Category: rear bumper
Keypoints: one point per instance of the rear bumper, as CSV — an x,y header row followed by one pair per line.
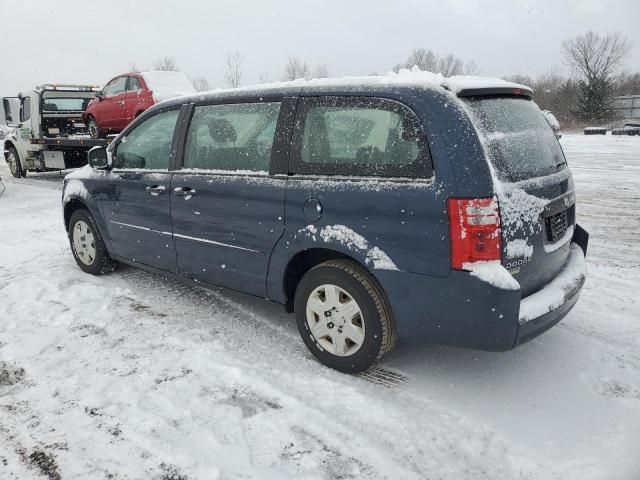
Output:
x,y
462,310
543,309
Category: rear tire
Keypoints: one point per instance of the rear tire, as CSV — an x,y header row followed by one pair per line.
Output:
x,y
94,128
13,161
87,245
343,316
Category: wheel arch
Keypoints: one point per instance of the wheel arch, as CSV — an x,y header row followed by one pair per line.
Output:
x,y
6,144
70,207
303,261
74,202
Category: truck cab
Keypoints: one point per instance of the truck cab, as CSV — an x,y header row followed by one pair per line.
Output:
x,y
48,130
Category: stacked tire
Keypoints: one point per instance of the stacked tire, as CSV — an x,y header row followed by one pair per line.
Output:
x,y
595,131
626,131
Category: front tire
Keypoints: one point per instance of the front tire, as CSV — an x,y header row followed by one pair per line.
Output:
x,y
87,245
343,316
13,161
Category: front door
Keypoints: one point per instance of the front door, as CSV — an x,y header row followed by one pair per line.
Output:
x,y
136,202
227,211
24,132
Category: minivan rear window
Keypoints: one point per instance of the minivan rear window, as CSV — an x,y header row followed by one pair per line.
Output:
x,y
520,142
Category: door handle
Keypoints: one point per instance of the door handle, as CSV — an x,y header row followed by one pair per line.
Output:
x,y
186,192
156,190
121,102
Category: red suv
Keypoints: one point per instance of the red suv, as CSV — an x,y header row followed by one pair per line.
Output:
x,y
127,96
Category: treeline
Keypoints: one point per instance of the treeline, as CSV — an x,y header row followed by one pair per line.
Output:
x,y
564,96
587,94
294,69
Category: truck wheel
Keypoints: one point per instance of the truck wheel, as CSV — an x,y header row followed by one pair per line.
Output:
x,y
343,317
87,245
13,160
94,129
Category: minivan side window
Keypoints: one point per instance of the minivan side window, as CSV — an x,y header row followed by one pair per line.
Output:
x,y
359,136
25,109
231,137
115,87
148,145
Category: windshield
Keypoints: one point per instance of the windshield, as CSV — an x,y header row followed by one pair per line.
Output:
x,y
65,104
520,142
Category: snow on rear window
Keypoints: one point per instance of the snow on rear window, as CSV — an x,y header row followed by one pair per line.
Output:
x,y
520,141
165,85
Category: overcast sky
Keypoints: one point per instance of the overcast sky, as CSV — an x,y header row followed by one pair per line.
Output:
x,y
87,41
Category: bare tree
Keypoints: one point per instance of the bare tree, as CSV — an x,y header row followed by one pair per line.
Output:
x,y
596,59
200,84
595,56
471,68
133,67
450,65
295,69
233,73
166,64
429,61
321,71
553,92
263,78
629,84
422,58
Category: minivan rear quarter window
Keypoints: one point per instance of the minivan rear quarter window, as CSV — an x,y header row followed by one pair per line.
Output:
x,y
520,142
359,136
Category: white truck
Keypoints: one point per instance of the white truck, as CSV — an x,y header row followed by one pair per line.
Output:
x,y
48,132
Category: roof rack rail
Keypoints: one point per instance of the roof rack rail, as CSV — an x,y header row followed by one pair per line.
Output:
x,y
64,86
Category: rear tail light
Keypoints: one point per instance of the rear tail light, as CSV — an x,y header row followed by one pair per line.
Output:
x,y
475,230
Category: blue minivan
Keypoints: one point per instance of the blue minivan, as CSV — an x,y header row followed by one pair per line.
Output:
x,y
378,211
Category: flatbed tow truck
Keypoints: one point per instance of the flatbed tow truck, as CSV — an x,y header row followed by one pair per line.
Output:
x,y
48,131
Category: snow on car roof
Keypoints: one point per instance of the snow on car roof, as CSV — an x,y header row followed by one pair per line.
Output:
x,y
404,77
165,85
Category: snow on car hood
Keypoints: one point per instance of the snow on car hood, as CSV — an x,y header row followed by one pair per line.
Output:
x,y
166,85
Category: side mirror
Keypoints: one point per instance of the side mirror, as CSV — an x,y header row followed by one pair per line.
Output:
x,y
99,158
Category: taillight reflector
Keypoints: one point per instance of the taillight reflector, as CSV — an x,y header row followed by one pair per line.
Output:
x,y
474,226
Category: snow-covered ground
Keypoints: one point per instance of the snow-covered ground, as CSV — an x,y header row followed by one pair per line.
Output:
x,y
134,376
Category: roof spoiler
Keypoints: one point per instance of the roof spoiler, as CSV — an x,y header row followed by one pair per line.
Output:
x,y
520,91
